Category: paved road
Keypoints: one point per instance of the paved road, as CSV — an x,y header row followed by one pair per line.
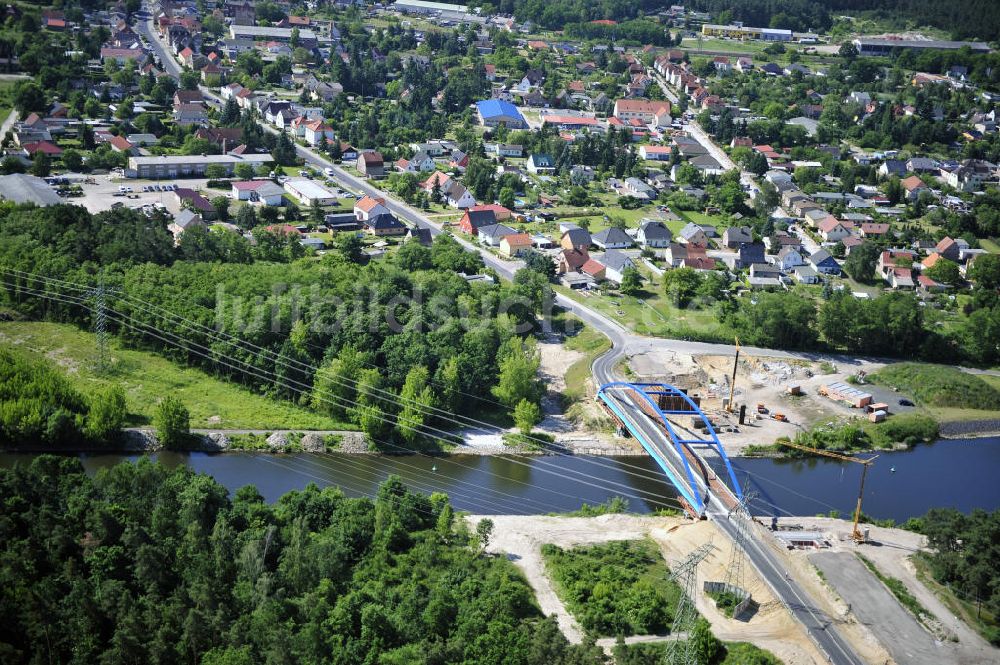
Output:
x,y
875,607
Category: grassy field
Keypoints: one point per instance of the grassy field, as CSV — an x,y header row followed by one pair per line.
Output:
x,y
652,314
654,653
945,392
6,99
147,377
592,344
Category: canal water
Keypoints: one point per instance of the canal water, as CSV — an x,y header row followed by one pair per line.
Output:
x,y
951,473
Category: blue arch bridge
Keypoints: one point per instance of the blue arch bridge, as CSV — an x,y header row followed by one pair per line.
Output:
x,y
644,411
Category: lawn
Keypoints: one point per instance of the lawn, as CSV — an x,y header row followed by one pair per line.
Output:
x,y
147,377
946,392
990,245
653,314
6,98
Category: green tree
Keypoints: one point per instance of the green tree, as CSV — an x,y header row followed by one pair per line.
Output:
x,y
28,97
172,423
518,373
484,531
221,206
350,247
861,262
526,416
707,647
243,171
246,218
417,401
215,171
333,386
41,165
107,414
680,285
506,198
72,160
945,272
985,272
631,282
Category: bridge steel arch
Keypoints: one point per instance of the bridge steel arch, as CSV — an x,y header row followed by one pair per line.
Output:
x,y
646,391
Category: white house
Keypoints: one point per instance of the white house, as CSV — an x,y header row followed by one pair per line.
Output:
x,y
653,234
309,192
615,264
316,131
611,238
368,207
457,196
258,191
541,164
789,258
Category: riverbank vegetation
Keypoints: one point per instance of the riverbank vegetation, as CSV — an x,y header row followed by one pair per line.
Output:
x,y
907,429
141,563
378,344
615,588
145,377
39,407
962,560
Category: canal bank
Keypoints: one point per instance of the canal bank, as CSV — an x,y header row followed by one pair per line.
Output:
x,y
957,473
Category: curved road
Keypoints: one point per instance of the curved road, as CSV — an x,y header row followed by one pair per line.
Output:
x,y
819,627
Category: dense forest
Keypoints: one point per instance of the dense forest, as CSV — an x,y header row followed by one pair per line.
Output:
x,y
382,343
965,551
141,564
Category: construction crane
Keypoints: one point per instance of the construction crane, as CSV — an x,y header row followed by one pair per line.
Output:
x,y
855,533
732,384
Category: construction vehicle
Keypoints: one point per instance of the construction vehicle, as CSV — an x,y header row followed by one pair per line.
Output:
x,y
761,408
780,417
856,534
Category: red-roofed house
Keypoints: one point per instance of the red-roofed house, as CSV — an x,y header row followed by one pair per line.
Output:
x,y
949,249
873,229
316,131
186,56
121,144
832,230
594,268
368,207
50,149
913,186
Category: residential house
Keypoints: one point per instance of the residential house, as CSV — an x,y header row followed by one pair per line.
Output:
x,y
949,249
873,229
575,239
749,253
832,230
184,220
764,276
615,263
515,244
646,111
789,258
653,234
541,164
734,236
655,152
368,207
636,188
970,176
823,263
419,163
258,191
892,258
892,167
475,219
914,186
192,200
190,114
456,195
611,238
805,274
491,235
384,224
371,165
692,234
317,131
571,260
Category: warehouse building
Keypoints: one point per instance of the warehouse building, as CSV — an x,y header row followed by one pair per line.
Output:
x,y
738,31
257,33
22,188
187,166
309,192
877,47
